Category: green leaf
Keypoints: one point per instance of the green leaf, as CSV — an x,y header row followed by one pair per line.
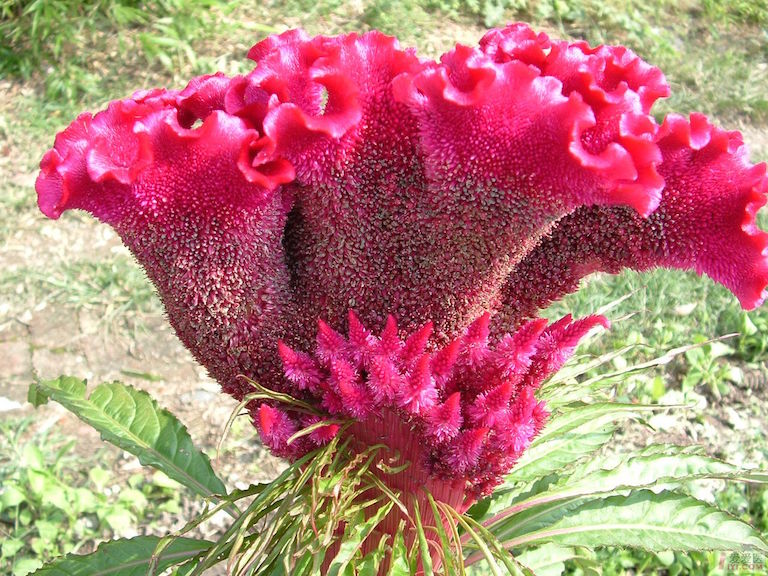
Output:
x,y
127,557
399,559
425,554
11,495
32,457
132,420
119,519
654,465
354,536
570,436
48,531
655,522
547,560
556,392
756,476
483,547
446,550
10,546
36,397
24,566
373,561
565,386
657,465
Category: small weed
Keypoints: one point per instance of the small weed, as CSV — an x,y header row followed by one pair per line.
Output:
x,y
752,345
50,506
707,368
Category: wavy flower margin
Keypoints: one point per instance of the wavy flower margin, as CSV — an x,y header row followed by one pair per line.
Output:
x,y
459,197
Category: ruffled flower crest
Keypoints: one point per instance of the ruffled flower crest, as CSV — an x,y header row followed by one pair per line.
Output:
x,y
459,197
199,206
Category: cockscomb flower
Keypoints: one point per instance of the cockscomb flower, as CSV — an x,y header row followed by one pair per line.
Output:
x,y
445,203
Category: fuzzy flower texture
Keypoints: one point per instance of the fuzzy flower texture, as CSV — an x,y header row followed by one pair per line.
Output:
x,y
375,233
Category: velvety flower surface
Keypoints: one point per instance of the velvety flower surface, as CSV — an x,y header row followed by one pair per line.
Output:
x,y
444,203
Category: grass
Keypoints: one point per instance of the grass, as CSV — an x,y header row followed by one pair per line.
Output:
x,y
714,52
119,283
66,45
80,55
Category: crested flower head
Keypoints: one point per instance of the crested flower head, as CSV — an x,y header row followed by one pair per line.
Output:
x,y
444,202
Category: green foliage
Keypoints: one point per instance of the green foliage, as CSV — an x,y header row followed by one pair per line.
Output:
x,y
739,11
658,313
119,284
287,527
556,510
128,557
618,511
130,419
706,368
648,520
752,344
50,507
60,38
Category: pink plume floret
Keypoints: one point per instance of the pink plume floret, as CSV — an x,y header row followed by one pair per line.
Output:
x,y
475,409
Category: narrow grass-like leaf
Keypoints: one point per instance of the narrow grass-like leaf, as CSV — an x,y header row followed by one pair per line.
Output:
x,y
426,557
280,397
508,495
311,428
398,563
532,519
575,415
446,549
662,360
571,435
354,536
481,544
269,496
552,388
276,551
126,557
394,498
130,419
755,476
564,387
475,530
649,468
656,522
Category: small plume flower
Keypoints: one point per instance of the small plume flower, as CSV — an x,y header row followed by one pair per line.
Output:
x,y
470,425
445,203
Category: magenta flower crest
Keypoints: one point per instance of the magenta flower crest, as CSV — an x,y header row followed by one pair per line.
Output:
x,y
375,234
